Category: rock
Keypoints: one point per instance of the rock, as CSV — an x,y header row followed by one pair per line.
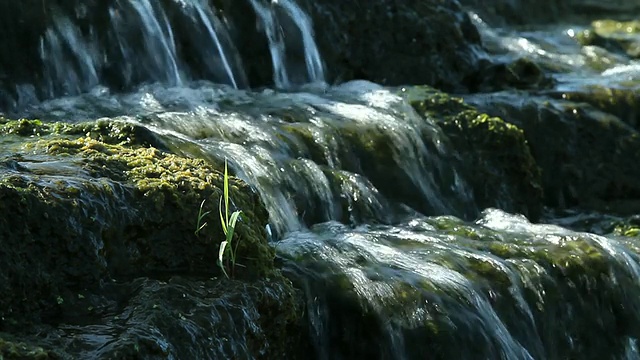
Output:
x,y
397,43
87,216
615,36
584,153
501,169
548,293
518,12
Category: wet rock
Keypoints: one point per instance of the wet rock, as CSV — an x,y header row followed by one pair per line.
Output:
x,y
396,43
501,169
584,153
615,36
504,287
178,317
621,99
86,215
520,12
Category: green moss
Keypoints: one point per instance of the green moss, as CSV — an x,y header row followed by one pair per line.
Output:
x,y
102,210
622,100
168,181
22,127
107,131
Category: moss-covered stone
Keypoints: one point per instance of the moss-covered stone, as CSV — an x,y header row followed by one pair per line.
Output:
x,y
621,100
501,169
100,210
584,153
616,36
508,288
10,350
107,131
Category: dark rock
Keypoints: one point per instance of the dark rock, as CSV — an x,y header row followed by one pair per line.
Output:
x,y
500,166
400,42
585,154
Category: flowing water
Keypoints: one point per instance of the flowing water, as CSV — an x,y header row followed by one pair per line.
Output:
x,y
372,214
268,11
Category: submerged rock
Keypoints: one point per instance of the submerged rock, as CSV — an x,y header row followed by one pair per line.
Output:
x,y
84,217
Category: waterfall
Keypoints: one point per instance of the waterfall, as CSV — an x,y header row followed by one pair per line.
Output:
x,y
213,33
311,53
275,35
71,65
131,42
157,40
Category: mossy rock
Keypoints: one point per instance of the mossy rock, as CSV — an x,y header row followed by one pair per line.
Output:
x,y
403,159
101,211
508,289
11,350
107,131
620,99
584,152
615,36
501,169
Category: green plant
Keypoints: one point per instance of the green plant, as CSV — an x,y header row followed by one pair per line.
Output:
x,y
228,226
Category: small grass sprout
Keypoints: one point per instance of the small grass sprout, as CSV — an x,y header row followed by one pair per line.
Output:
x,y
228,223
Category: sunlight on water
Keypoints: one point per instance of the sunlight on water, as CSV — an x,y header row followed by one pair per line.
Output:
x,y
410,275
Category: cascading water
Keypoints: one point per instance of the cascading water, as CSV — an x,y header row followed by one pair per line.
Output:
x,y
277,45
370,203
140,44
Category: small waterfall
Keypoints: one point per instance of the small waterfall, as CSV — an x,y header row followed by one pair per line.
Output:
x,y
213,28
313,157
136,42
157,40
311,53
71,65
276,34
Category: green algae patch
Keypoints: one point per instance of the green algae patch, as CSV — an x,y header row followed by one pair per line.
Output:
x,y
171,188
107,131
501,168
621,100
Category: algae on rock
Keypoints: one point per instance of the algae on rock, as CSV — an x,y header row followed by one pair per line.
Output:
x,y
83,214
585,154
501,169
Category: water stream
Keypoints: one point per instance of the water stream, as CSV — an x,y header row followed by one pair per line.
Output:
x,y
372,212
